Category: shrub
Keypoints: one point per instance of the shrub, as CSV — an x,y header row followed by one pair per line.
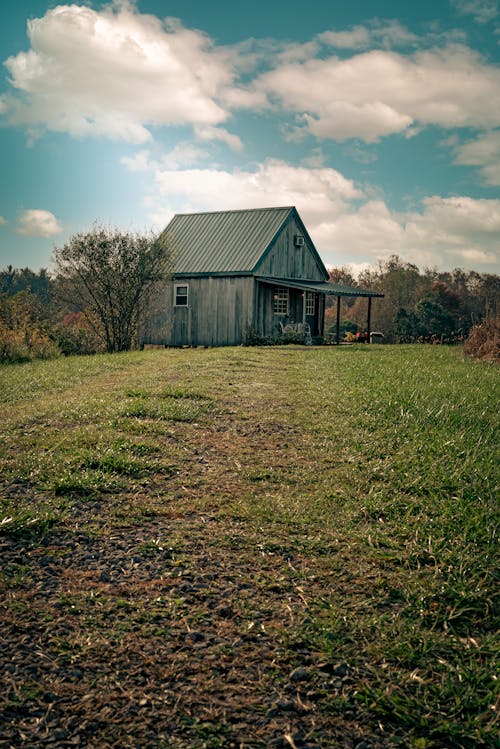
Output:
x,y
76,334
484,340
22,334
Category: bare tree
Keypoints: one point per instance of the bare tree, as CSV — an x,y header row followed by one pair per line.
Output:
x,y
113,275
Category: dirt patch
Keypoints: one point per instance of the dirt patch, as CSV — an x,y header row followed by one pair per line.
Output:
x,y
169,616
124,640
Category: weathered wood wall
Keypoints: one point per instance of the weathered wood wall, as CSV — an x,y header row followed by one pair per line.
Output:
x,y
285,260
225,310
267,324
219,313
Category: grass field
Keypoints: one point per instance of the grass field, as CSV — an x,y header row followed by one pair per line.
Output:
x,y
250,547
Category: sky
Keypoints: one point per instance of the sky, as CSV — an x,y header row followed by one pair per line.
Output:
x,y
379,120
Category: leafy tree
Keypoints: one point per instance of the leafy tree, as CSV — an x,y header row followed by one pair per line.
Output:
x,y
14,280
433,318
401,283
340,275
75,334
23,334
479,295
408,309
407,325
111,276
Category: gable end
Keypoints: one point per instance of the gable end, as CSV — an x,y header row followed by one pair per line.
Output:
x,y
286,258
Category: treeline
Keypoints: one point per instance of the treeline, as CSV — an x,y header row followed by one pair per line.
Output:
x,y
418,306
35,323
104,282
102,286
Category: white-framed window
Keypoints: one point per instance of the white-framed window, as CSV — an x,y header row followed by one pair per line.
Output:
x,y
181,294
280,301
310,302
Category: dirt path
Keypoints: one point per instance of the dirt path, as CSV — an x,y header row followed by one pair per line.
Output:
x,y
172,615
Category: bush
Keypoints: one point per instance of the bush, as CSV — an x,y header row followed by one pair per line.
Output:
x,y
484,340
76,334
22,334
15,346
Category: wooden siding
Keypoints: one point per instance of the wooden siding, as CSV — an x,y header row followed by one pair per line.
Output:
x,y
268,325
219,313
225,310
285,260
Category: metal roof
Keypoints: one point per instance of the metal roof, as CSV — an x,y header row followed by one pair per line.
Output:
x,y
334,289
224,241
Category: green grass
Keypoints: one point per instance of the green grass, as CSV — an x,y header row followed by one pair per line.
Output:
x,y
367,476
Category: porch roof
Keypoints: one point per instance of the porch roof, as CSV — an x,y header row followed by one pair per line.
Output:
x,y
321,287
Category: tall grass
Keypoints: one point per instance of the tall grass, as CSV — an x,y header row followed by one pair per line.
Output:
x,y
377,465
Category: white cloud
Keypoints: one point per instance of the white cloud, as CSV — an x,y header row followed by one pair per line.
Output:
x,y
3,221
35,222
139,162
367,121
118,73
318,190
483,152
183,154
446,232
483,11
378,33
115,72
345,224
376,93
358,37
208,132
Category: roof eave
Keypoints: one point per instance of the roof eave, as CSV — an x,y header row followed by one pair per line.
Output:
x,y
319,286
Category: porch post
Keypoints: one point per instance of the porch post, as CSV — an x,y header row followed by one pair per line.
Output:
x,y
369,321
337,330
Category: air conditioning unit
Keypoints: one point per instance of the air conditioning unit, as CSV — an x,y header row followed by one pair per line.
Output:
x,y
298,241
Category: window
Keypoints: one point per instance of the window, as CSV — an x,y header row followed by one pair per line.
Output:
x,y
310,302
280,300
181,293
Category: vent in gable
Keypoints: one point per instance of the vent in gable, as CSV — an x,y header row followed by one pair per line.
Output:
x,y
298,240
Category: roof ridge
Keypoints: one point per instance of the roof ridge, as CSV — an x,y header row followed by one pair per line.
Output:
x,y
237,210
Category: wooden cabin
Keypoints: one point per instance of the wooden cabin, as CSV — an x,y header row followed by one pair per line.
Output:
x,y
241,276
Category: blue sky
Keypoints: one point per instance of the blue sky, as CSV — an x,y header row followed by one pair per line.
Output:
x,y
379,121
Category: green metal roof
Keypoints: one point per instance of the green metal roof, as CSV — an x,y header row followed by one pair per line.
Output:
x,y
234,242
334,289
224,241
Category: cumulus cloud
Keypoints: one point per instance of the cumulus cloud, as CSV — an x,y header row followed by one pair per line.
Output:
x,y
182,155
376,93
483,152
483,11
344,222
318,190
2,220
379,33
118,73
445,232
35,222
115,72
208,132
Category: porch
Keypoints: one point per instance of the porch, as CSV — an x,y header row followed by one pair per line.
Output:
x,y
303,305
